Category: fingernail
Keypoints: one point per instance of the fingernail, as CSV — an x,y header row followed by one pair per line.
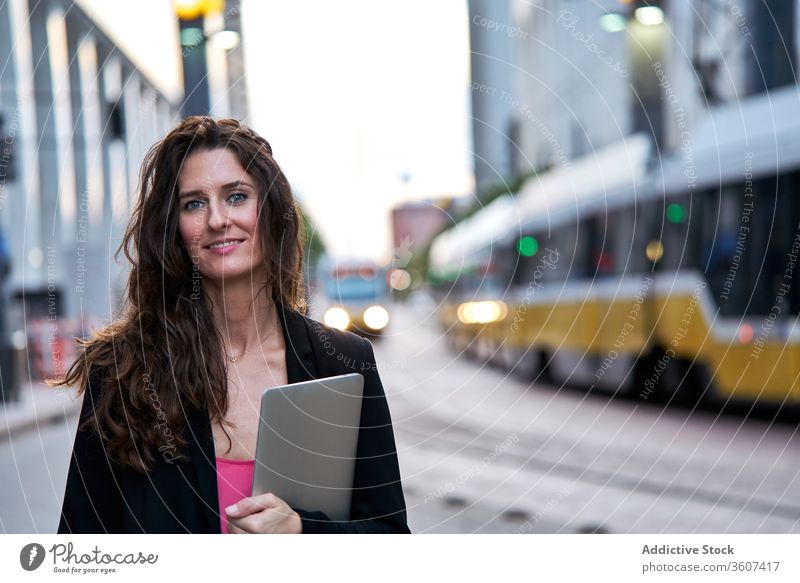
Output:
x,y
231,509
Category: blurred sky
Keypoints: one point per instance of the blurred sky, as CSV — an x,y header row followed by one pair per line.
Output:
x,y
351,94
148,33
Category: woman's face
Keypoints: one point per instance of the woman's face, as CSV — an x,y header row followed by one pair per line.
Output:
x,y
218,204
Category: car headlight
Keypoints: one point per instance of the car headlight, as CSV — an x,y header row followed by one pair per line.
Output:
x,y
376,317
482,312
336,318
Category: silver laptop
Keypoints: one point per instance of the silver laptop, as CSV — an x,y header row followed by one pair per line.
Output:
x,y
307,439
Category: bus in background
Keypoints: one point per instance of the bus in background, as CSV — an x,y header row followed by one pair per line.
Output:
x,y
353,295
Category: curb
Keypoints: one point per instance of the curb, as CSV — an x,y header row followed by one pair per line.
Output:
x,y
39,406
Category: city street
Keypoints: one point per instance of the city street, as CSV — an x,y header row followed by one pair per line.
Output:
x,y
482,452
35,466
569,462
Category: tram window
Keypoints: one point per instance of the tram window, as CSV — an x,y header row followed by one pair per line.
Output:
x,y
601,252
553,262
632,238
529,251
746,236
726,249
780,278
507,265
764,259
584,245
484,276
648,228
620,240
675,238
520,275
702,205
566,243
709,205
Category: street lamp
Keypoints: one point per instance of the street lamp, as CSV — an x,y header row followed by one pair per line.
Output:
x,y
649,15
191,18
226,39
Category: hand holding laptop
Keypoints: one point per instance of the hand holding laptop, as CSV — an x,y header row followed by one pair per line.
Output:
x,y
263,514
305,455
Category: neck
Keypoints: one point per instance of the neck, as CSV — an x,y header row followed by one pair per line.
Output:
x,y
244,314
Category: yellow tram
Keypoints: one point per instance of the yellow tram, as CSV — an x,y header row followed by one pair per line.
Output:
x,y
661,278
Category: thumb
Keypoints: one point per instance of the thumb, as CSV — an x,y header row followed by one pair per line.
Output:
x,y
247,506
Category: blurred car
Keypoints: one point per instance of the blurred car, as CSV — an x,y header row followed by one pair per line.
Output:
x,y
353,295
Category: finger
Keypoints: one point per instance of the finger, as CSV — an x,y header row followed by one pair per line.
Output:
x,y
266,521
235,528
252,524
247,506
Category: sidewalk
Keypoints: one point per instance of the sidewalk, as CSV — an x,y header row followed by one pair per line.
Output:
x,y
38,405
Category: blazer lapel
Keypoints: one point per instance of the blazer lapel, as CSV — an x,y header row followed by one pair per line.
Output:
x,y
300,363
300,366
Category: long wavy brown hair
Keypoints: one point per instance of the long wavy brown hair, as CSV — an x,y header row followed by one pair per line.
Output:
x,y
157,358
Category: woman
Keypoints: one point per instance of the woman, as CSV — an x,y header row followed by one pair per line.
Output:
x,y
214,315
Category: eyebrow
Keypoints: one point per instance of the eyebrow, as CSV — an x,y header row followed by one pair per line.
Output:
x,y
234,184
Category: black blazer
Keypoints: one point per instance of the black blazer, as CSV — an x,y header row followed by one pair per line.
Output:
x,y
181,497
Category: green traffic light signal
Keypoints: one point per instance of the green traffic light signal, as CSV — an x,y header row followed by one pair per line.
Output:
x,y
675,213
528,246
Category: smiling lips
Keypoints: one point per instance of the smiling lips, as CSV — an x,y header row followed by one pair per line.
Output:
x,y
226,246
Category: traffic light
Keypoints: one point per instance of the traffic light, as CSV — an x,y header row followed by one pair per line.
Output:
x,y
528,246
675,213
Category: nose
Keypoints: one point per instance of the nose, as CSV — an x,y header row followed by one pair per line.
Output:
x,y
218,215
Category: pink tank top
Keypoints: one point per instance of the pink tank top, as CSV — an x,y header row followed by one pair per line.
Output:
x,y
234,482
